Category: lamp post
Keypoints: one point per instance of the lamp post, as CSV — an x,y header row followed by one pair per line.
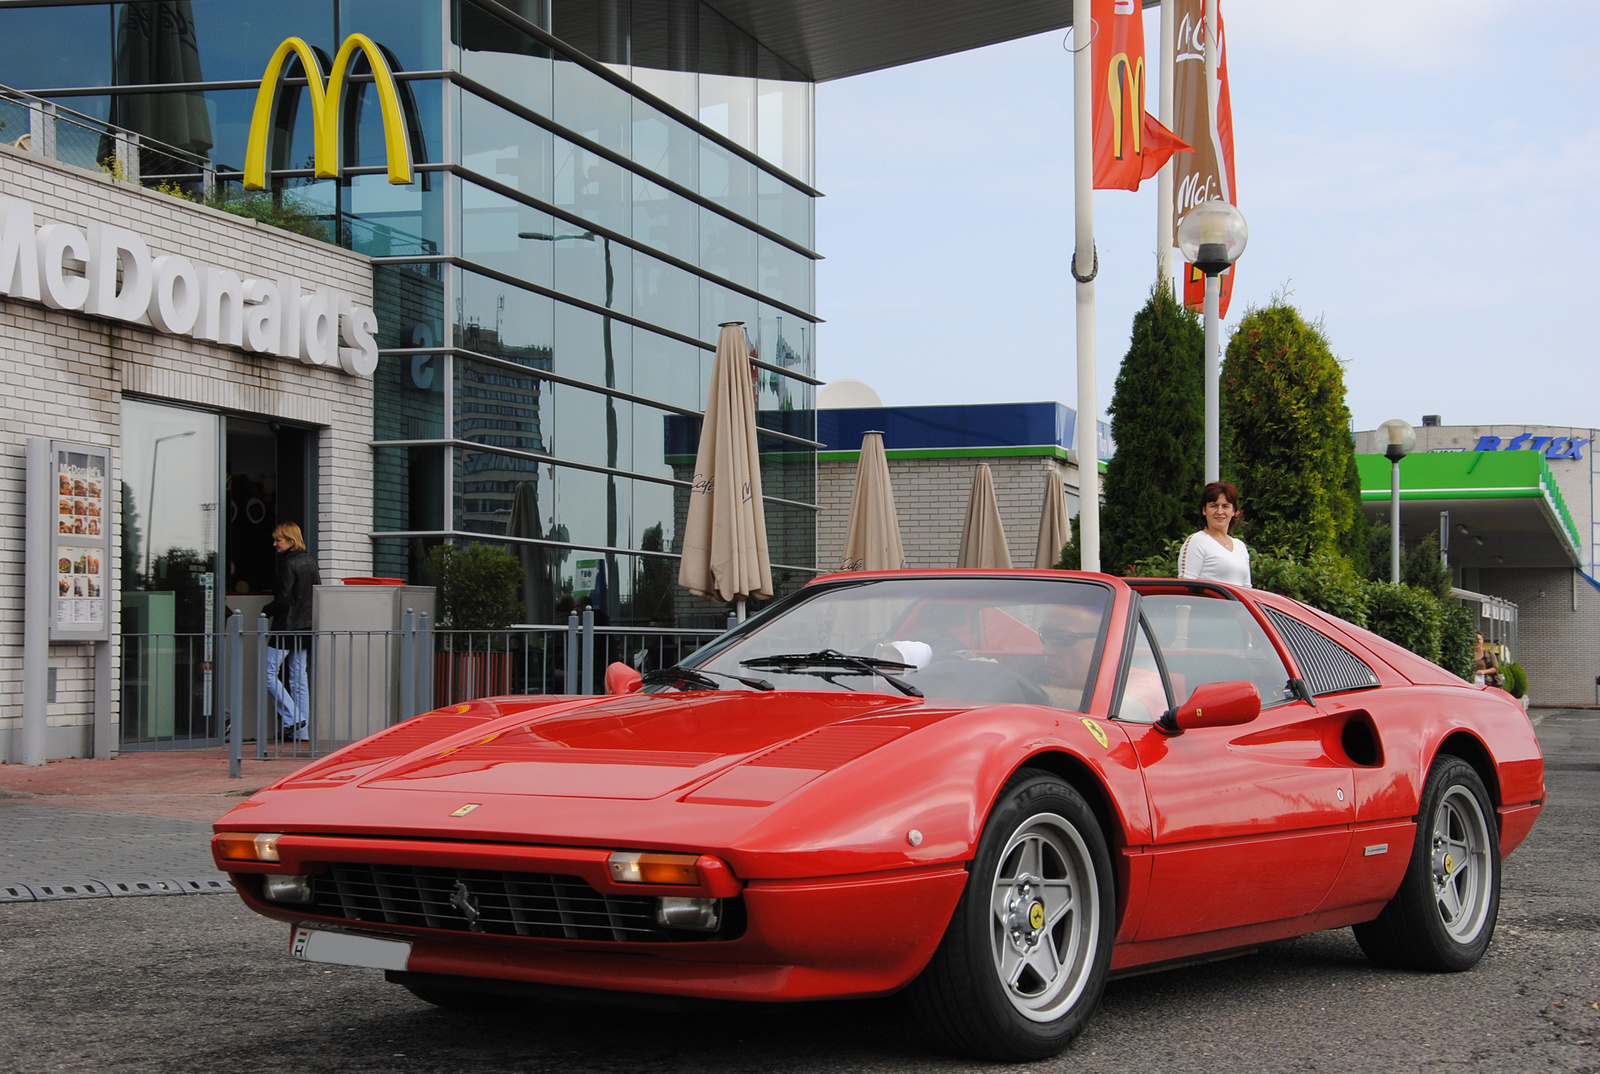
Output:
x,y
150,520
1398,438
1212,236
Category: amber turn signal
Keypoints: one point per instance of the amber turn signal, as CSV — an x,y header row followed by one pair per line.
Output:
x,y
248,846
633,867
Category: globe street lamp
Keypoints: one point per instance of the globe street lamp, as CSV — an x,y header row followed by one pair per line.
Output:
x,y
1397,438
1212,236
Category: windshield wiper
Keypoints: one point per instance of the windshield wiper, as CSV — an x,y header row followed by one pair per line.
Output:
x,y
833,662
677,675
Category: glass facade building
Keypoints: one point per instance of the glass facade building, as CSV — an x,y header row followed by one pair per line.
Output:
x,y
599,185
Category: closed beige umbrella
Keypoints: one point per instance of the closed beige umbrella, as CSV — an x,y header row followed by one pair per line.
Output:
x,y
872,538
983,538
1055,528
725,538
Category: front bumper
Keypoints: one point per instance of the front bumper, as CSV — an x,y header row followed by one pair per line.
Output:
x,y
843,936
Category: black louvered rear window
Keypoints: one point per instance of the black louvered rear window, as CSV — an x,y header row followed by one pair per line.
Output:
x,y
1328,667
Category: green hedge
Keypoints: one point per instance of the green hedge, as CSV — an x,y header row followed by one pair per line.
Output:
x,y
1516,680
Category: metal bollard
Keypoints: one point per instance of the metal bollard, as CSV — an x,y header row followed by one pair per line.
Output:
x,y
408,667
235,695
588,651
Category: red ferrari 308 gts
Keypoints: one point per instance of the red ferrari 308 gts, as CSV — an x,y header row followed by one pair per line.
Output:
x,y
993,788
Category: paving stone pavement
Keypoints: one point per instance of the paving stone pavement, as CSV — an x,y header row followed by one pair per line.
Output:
x,y
48,843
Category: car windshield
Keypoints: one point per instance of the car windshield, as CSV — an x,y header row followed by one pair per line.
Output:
x,y
984,640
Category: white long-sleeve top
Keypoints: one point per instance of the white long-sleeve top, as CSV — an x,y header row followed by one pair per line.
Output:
x,y
1203,556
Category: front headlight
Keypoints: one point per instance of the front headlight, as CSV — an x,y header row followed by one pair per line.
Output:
x,y
700,915
248,846
275,887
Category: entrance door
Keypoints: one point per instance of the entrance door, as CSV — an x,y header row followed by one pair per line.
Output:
x,y
170,492
266,485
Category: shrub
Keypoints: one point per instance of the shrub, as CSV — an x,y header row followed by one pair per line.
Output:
x,y
1152,484
1422,567
1326,581
1458,636
1286,437
1516,679
477,586
1406,616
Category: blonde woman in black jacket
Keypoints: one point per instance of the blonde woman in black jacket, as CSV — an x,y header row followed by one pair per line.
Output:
x,y
290,611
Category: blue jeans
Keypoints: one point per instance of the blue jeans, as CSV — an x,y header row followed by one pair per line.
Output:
x,y
293,701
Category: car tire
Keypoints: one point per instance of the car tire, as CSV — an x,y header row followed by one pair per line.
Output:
x,y
1023,963
1443,916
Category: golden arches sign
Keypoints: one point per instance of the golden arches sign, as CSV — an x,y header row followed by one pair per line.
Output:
x,y
325,110
1125,92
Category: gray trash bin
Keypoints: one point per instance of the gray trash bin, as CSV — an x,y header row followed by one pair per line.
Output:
x,y
358,659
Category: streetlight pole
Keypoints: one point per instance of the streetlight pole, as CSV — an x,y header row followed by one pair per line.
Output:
x,y
150,513
1085,266
1212,236
1398,438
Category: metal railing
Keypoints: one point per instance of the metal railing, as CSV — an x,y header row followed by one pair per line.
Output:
x,y
183,691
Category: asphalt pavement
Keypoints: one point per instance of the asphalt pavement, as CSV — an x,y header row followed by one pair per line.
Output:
x,y
199,983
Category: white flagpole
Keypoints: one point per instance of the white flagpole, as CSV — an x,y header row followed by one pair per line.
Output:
x,y
1164,176
1213,316
1085,267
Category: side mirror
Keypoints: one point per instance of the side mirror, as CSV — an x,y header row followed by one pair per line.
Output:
x,y
622,679
1216,704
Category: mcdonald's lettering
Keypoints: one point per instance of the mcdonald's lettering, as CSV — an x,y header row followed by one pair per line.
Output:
x,y
325,100
1125,92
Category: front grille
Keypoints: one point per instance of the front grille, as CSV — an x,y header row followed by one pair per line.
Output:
x,y
544,905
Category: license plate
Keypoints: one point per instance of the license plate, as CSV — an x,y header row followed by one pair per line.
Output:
x,y
346,949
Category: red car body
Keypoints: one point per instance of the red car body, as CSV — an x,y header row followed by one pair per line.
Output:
x,y
844,823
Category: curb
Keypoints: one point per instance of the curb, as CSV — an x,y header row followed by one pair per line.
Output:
x,y
57,890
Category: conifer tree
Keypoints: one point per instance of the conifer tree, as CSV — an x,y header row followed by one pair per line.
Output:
x,y
1286,437
1152,483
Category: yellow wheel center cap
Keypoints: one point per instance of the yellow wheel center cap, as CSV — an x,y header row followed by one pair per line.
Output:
x,y
1449,865
1036,916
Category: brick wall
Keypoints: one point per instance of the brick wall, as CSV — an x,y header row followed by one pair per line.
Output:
x,y
930,497
65,375
1555,641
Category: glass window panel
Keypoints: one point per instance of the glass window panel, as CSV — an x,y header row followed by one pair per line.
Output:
x,y
491,229
505,59
665,146
667,221
500,407
592,186
727,249
788,470
506,147
595,349
409,394
728,179
505,321
724,48
589,105
1211,640
593,267
387,220
652,431
233,39
421,103
408,488
402,557
596,28
728,106
785,340
409,29
718,305
783,126
666,370
50,47
786,210
665,295
791,533
486,488
784,275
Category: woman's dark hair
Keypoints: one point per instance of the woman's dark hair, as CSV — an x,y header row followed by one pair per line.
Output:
x,y
1220,490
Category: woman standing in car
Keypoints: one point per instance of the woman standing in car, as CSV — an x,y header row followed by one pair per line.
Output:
x,y
1213,553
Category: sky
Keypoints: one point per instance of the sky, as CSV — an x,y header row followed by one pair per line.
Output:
x,y
1417,175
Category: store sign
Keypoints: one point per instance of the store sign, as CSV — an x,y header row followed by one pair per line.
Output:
x,y
325,108
109,272
1552,447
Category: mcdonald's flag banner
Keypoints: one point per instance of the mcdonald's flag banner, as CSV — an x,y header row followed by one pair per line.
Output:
x,y
1206,173
1130,145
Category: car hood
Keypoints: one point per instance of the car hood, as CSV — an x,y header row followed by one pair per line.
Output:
x,y
641,746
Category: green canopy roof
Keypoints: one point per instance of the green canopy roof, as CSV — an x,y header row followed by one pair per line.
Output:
x,y
1508,502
